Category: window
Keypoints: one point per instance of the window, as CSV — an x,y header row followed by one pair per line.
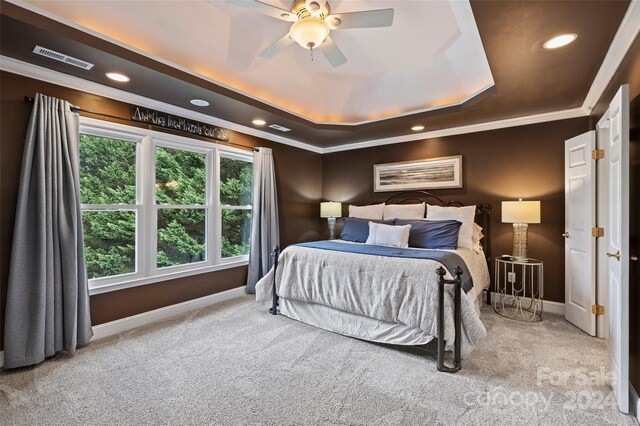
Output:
x,y
235,204
108,193
157,206
182,211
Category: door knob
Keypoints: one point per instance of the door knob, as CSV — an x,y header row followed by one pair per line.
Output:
x,y
566,234
633,258
616,255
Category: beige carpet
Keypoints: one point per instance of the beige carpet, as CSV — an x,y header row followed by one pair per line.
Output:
x,y
234,363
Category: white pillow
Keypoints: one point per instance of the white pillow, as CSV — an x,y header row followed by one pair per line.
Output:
x,y
403,211
465,215
372,212
476,237
388,235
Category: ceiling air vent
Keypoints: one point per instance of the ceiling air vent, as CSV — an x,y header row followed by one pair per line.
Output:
x,y
51,54
281,128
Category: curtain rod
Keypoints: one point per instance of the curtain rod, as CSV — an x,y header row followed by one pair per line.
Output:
x,y
30,99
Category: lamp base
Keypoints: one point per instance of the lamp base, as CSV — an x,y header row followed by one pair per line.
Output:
x,y
332,227
520,241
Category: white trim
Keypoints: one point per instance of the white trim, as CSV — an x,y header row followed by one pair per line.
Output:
x,y
472,128
548,306
634,402
135,321
54,77
626,34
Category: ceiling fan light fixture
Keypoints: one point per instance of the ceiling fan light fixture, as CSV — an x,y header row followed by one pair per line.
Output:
x,y
310,32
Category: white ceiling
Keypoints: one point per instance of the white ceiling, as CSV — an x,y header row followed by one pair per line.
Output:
x,y
431,57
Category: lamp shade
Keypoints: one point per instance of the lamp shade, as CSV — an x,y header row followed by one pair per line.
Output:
x,y
330,209
521,211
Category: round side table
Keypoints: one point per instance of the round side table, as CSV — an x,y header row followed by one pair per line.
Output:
x,y
519,288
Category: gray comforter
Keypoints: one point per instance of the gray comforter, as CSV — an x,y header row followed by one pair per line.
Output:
x,y
389,289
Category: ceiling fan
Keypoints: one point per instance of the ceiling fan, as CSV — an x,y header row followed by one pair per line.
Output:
x,y
312,22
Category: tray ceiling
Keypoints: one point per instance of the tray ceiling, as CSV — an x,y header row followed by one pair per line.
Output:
x,y
432,57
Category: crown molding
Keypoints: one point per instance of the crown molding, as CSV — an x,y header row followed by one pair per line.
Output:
x,y
54,77
622,41
472,128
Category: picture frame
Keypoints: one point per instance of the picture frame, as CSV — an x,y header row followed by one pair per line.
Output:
x,y
431,173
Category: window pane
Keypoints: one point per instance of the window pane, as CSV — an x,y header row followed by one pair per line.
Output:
x,y
235,182
180,177
107,170
181,236
236,229
109,242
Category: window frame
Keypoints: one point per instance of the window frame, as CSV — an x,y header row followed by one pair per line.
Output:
x,y
147,271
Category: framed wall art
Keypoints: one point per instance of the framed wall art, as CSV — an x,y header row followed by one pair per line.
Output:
x,y
433,173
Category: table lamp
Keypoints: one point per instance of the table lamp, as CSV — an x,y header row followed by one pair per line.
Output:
x,y
521,214
331,210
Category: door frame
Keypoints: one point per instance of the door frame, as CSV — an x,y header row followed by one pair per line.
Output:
x,y
602,264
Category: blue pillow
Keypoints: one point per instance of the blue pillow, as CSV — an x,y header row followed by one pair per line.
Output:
x,y
433,234
357,230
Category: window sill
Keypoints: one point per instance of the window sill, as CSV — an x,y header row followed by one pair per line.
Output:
x,y
106,288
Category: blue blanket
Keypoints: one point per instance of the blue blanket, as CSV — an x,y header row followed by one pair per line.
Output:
x,y
448,259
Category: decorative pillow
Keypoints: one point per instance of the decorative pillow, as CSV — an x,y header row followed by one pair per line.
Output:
x,y
403,211
476,237
465,215
433,234
387,235
357,230
372,212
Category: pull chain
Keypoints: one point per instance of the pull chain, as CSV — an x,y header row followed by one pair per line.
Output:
x,y
311,51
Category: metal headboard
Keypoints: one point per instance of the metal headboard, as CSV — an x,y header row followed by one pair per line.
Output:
x,y
483,213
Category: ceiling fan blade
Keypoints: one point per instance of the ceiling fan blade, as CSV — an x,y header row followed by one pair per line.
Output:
x,y
265,9
364,19
276,47
333,53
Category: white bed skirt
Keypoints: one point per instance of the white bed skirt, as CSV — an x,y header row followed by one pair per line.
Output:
x,y
354,325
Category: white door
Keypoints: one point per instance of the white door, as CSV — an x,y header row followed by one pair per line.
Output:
x,y
580,246
617,241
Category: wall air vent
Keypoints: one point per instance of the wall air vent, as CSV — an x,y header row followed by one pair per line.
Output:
x,y
51,54
281,128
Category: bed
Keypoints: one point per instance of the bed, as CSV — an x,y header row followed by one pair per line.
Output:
x,y
399,296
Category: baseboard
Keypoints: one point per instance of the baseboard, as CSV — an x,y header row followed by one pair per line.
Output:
x,y
135,321
548,306
634,403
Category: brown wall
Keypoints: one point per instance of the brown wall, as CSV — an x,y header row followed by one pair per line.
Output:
x,y
629,73
298,175
498,165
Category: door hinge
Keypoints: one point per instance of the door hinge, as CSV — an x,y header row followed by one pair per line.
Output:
x,y
597,232
597,310
597,154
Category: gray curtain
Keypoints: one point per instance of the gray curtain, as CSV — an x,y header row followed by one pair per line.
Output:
x,y
265,232
48,297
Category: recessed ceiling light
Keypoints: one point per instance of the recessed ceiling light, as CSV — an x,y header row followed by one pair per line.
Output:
x,y
417,128
559,41
259,122
199,102
117,77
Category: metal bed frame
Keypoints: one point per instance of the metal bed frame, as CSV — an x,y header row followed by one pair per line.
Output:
x,y
483,218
